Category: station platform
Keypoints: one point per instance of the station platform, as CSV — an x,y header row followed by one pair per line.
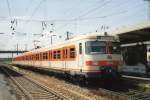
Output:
x,y
5,90
141,82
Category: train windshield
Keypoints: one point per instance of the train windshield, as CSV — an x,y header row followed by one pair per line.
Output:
x,y
99,47
94,47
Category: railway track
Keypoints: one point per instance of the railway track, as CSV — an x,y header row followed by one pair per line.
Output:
x,y
116,95
143,79
137,95
129,95
31,89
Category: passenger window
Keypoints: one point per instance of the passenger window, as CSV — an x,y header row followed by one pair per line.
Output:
x,y
37,56
58,54
41,56
72,52
80,48
45,56
32,56
26,57
54,54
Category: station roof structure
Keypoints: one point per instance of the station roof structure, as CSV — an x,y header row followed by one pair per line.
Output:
x,y
136,33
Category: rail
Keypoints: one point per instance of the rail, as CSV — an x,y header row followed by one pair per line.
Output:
x,y
31,89
129,95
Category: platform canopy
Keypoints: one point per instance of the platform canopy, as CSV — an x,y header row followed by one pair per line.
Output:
x,y
136,33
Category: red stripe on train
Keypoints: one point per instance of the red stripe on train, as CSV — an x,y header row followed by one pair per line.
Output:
x,y
103,63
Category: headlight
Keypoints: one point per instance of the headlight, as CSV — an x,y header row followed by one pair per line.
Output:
x,y
95,63
92,63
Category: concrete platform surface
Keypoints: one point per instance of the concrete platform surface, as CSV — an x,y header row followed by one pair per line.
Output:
x,y
141,82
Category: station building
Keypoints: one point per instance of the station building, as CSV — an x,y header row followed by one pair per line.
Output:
x,y
135,47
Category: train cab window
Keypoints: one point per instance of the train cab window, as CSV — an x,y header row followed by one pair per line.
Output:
x,y
55,55
94,47
80,48
72,52
58,54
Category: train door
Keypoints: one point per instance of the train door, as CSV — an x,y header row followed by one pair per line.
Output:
x,y
80,57
65,53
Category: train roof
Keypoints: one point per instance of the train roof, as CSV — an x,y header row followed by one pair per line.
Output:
x,y
76,38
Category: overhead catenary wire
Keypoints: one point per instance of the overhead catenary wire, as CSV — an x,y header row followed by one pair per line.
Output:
x,y
89,11
28,6
36,8
48,20
86,8
95,8
117,5
80,19
34,11
94,18
9,9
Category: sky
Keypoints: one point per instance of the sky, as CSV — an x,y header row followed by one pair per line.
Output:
x,y
61,16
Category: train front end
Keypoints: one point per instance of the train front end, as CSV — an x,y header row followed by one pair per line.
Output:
x,y
103,58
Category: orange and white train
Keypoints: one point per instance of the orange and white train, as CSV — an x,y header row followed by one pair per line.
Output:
x,y
86,56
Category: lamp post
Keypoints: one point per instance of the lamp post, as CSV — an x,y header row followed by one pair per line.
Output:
x,y
17,48
52,39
